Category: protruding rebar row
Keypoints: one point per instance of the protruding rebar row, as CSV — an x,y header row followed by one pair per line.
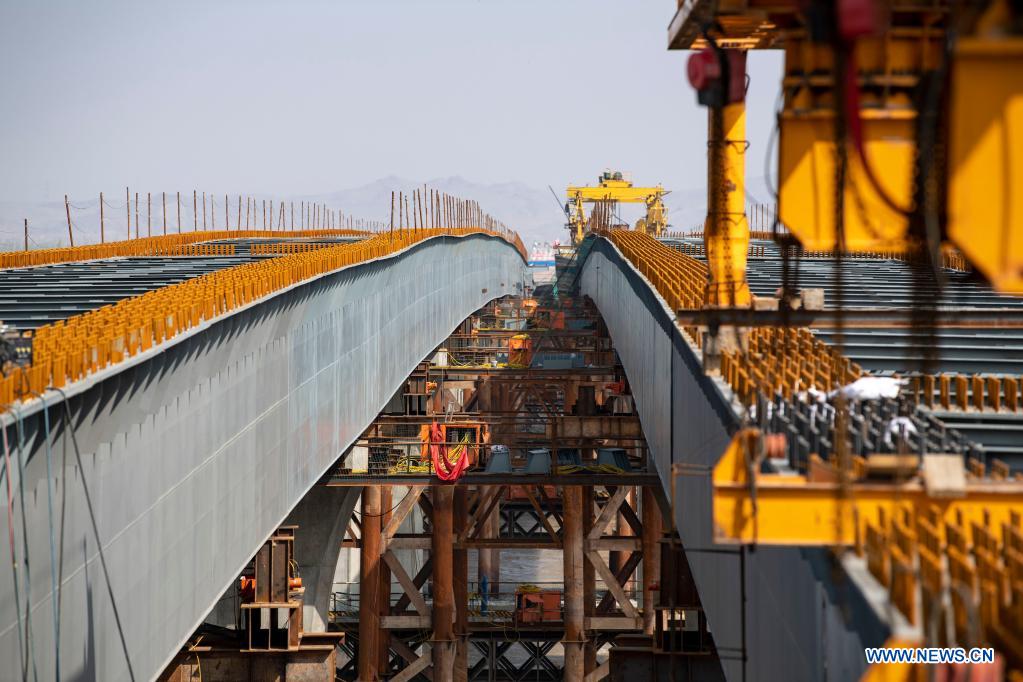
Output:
x,y
979,392
922,555
69,350
149,246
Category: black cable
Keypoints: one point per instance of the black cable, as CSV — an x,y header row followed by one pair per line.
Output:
x,y
362,514
13,548
29,649
95,530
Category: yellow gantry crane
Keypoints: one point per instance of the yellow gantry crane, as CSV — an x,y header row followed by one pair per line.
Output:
x,y
614,187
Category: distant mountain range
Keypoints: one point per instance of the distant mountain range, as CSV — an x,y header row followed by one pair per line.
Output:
x,y
531,211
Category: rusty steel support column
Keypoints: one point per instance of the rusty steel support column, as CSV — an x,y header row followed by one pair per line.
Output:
x,y
652,529
489,560
589,579
443,587
495,554
369,586
625,530
574,561
460,575
484,557
384,595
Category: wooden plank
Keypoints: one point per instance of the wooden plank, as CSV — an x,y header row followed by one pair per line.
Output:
x,y
405,580
612,584
944,476
402,511
608,513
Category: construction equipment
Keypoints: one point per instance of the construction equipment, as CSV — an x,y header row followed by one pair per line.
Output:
x,y
899,129
534,605
614,187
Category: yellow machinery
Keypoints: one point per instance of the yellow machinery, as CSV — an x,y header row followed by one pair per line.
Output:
x,y
613,188
901,127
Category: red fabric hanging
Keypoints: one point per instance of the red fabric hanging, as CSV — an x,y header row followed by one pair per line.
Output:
x,y
445,469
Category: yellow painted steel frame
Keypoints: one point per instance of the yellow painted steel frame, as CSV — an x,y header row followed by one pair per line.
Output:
x,y
789,510
806,196
621,191
726,233
985,203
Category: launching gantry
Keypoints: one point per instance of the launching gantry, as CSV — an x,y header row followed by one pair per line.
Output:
x,y
614,188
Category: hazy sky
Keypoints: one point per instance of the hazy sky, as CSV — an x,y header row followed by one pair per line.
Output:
x,y
295,98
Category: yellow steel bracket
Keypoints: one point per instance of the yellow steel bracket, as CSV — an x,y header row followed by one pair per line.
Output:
x,y
780,509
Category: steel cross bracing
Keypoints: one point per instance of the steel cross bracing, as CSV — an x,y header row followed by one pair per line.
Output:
x,y
535,483
502,620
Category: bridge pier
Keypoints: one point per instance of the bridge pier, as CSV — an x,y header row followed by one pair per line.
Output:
x,y
322,517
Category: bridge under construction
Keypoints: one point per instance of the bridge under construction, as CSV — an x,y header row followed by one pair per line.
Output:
x,y
198,435
369,451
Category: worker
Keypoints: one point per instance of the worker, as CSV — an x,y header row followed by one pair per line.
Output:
x,y
484,594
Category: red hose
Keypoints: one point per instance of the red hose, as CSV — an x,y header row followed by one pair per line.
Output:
x,y
445,469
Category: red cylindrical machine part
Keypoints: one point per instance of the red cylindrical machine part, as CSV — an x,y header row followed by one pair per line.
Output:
x,y
703,69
